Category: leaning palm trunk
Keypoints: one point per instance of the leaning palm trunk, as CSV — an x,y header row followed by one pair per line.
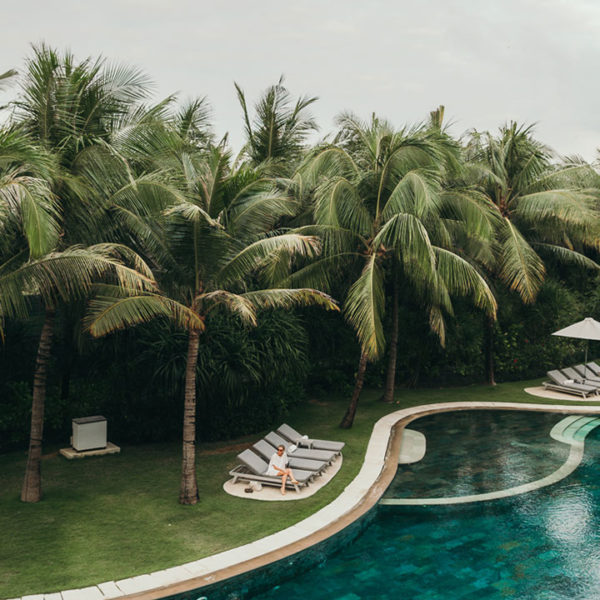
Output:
x,y
390,381
360,380
189,486
489,351
32,484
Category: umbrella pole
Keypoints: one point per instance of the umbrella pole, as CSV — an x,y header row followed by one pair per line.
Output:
x,y
585,363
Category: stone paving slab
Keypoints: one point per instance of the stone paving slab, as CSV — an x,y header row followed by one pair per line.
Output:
x,y
110,589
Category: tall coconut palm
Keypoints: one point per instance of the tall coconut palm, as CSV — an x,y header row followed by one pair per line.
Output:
x,y
225,255
540,210
276,136
379,206
68,108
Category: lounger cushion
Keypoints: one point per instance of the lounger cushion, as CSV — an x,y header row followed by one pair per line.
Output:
x,y
266,451
297,438
276,440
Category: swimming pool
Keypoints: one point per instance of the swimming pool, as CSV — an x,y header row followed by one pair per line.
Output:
x,y
542,545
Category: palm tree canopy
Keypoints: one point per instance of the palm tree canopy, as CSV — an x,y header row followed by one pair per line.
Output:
x,y
541,207
280,126
378,193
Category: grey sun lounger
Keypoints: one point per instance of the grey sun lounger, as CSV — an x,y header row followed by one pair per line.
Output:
x,y
561,383
297,438
254,468
587,373
266,451
275,439
594,368
576,375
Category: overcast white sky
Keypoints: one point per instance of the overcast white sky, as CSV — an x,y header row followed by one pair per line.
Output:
x,y
487,61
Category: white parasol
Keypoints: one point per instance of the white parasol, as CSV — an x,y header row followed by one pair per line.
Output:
x,y
588,329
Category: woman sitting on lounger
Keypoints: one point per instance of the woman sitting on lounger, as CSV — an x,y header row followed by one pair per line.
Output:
x,y
278,466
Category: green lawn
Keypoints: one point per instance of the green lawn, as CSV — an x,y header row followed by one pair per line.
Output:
x,y
117,516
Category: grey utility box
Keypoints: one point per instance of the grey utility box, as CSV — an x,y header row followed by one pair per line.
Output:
x,y
89,433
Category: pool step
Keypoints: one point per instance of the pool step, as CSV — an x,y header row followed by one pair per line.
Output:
x,y
574,428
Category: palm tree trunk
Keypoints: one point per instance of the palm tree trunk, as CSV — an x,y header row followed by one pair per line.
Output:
x,y
489,351
189,485
390,380
32,484
360,379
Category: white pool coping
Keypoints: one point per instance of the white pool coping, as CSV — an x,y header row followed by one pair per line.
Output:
x,y
205,571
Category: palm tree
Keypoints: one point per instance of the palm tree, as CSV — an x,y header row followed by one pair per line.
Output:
x,y
538,210
69,109
379,206
224,256
275,137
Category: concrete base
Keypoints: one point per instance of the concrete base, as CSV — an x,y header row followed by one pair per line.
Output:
x,y
271,493
71,453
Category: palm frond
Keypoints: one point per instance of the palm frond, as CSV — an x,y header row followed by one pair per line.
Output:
x,y
288,298
338,204
519,266
328,162
258,207
572,207
279,128
567,256
416,193
70,274
321,273
189,211
364,308
252,256
462,279
437,324
473,210
407,235
31,201
108,314
234,303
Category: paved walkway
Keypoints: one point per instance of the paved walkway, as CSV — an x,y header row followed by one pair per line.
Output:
x,y
357,499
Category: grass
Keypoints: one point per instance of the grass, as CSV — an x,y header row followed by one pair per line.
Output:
x,y
117,516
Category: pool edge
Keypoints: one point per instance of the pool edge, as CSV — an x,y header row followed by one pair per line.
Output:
x,y
360,496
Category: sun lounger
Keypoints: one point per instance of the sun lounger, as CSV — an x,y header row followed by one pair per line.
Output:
x,y
594,368
264,449
574,374
561,383
302,440
292,450
254,468
582,374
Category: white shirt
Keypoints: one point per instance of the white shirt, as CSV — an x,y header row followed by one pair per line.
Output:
x,y
279,461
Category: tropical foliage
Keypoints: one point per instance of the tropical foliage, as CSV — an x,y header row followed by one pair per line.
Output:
x,y
116,211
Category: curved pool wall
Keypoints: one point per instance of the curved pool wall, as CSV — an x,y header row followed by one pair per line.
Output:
x,y
262,579
244,570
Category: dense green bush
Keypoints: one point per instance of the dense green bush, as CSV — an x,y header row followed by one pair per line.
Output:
x,y
249,377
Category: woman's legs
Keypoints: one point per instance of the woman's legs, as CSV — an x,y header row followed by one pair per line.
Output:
x,y
287,473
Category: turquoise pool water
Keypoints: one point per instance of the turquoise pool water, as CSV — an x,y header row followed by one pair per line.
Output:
x,y
542,545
